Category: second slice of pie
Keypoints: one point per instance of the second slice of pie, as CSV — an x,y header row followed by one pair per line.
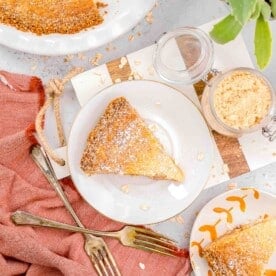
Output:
x,y
243,251
121,143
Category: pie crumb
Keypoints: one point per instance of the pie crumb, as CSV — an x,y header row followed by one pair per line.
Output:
x,y
68,58
151,70
153,127
137,62
232,186
81,56
225,168
123,62
95,60
200,156
142,266
125,189
118,80
144,207
149,17
33,68
131,37
179,219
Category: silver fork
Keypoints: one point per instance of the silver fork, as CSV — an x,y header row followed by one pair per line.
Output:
x,y
131,236
95,247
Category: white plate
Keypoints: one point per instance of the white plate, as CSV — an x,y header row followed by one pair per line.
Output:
x,y
122,16
256,204
180,128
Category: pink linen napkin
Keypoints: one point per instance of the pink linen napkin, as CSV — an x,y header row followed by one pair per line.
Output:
x,y
40,251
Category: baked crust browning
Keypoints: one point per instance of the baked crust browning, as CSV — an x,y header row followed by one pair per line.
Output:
x,y
243,251
121,143
50,16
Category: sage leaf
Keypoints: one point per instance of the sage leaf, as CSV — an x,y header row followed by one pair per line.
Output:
x,y
266,11
263,42
226,30
242,9
257,10
273,7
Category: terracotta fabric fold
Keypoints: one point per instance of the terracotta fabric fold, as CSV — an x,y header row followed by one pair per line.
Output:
x,y
39,251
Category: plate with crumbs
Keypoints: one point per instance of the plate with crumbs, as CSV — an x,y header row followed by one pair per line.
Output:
x,y
59,28
235,234
176,123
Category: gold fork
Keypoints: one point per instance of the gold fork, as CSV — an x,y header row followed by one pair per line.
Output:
x,y
136,237
95,247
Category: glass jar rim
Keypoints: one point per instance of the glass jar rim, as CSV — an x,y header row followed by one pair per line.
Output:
x,y
193,73
212,86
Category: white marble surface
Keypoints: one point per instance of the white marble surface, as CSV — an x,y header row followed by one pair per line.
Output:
x,y
168,15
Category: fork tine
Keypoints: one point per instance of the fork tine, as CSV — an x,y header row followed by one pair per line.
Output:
x,y
95,262
112,261
99,258
96,266
107,261
156,246
151,249
164,242
151,233
108,265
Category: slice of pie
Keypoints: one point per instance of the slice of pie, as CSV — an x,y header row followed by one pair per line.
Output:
x,y
48,16
244,251
121,143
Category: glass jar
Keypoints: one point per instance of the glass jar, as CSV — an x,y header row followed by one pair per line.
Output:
x,y
196,53
212,116
185,56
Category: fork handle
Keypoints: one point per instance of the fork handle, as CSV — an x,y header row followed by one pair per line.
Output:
x,y
25,218
42,160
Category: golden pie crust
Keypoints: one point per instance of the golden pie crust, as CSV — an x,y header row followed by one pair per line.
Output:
x,y
49,16
122,143
244,251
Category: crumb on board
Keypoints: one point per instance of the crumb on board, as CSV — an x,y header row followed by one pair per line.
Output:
x,y
135,75
225,168
123,62
95,60
117,80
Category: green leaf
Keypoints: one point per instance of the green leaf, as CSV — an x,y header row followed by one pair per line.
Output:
x,y
226,30
266,11
273,7
257,10
263,42
242,9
